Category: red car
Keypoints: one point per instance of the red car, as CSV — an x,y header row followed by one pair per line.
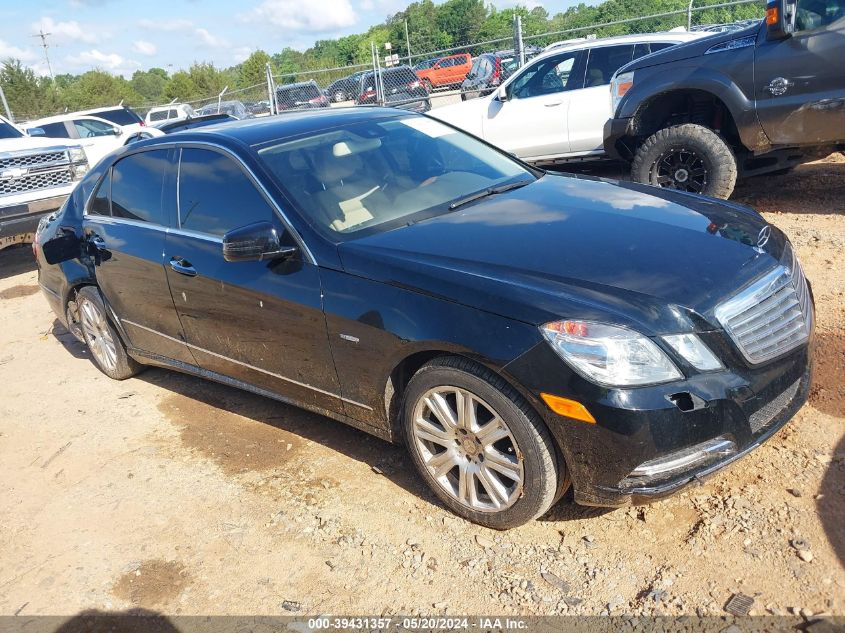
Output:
x,y
448,71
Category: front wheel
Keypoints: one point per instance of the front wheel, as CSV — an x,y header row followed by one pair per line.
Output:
x,y
483,451
689,158
101,338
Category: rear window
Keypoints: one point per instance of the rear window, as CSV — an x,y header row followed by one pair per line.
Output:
x,y
298,93
136,188
120,116
399,75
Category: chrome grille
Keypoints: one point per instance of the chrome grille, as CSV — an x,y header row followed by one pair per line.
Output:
x,y
33,160
764,416
772,316
36,181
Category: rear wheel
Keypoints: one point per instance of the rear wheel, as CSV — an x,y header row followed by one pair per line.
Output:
x,y
483,451
689,158
101,338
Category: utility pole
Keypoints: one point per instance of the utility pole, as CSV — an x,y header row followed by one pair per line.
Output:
x,y
6,105
408,42
41,34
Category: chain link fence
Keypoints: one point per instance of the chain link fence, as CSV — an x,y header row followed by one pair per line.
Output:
x,y
424,79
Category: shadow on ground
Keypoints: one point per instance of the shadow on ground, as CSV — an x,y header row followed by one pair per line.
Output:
x,y
16,260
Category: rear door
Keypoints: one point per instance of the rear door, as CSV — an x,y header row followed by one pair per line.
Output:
x,y
799,84
533,122
125,225
261,323
589,107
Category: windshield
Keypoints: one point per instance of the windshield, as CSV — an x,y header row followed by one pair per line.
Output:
x,y
7,130
376,175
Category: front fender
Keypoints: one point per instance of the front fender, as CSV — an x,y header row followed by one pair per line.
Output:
x,y
373,327
709,74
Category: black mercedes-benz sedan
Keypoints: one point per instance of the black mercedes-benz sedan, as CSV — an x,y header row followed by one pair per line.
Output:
x,y
522,333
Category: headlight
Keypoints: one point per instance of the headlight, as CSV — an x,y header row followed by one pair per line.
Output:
x,y
77,155
619,87
610,355
79,171
694,351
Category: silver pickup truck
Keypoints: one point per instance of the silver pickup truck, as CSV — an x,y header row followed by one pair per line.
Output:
x,y
36,177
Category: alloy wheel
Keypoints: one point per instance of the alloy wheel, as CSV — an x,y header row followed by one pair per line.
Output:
x,y
468,449
98,335
681,169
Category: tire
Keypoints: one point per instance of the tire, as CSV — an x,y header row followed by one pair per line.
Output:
x,y
103,341
687,157
521,445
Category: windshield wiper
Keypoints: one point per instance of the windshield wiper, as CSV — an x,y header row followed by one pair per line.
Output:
x,y
488,192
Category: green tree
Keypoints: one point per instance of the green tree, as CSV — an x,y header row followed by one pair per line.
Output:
x,y
149,84
252,70
28,96
180,86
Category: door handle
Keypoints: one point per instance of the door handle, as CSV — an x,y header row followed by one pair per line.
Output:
x,y
97,242
552,105
179,265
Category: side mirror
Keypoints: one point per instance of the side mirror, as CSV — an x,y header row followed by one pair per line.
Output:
x,y
254,243
36,131
780,18
502,94
118,131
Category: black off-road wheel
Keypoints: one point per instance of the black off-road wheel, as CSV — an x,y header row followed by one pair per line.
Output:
x,y
481,448
102,339
689,158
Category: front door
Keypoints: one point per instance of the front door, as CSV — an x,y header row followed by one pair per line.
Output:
x,y
533,121
798,80
125,227
261,323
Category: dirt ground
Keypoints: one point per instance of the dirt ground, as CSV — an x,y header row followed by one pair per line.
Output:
x,y
185,497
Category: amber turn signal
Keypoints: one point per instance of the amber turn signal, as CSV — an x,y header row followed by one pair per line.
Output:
x,y
568,408
772,16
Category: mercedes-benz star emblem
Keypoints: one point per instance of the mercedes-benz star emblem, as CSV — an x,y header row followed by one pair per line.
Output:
x,y
763,238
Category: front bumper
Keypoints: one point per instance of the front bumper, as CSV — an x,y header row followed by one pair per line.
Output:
x,y
18,222
741,407
614,131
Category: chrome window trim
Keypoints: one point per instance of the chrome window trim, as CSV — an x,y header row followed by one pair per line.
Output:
x,y
247,365
110,219
223,150
255,181
208,237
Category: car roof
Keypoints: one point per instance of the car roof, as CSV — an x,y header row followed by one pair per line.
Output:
x,y
640,38
253,132
298,84
59,118
106,109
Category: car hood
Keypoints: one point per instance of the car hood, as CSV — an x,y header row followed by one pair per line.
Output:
x,y
688,50
583,247
31,142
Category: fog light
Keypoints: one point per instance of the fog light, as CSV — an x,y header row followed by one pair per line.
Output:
x,y
79,171
680,461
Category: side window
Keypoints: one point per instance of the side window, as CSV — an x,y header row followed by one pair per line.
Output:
x,y
486,67
136,187
55,130
99,204
215,195
87,128
476,71
605,61
815,14
548,76
641,50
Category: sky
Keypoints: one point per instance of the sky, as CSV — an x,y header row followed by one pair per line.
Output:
x,y
121,36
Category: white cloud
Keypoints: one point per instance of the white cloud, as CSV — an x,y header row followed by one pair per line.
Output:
x,y
328,15
8,50
204,36
210,40
166,25
107,61
64,32
241,53
144,48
